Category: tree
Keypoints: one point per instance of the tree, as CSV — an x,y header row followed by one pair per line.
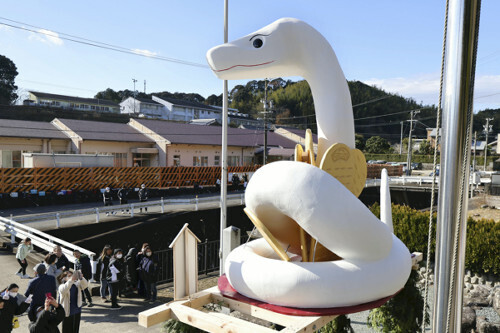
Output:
x,y
360,141
214,100
425,148
341,324
109,94
377,145
8,73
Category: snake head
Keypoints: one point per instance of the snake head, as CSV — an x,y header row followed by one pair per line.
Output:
x,y
268,52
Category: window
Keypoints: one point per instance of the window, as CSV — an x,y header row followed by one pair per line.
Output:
x,y
247,160
233,161
204,161
217,160
196,161
11,159
177,160
120,160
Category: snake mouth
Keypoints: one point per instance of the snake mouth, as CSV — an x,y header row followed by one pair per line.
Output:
x,y
256,65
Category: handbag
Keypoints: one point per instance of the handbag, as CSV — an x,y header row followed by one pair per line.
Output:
x,y
15,322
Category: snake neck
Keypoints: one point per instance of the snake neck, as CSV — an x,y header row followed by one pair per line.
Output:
x,y
332,100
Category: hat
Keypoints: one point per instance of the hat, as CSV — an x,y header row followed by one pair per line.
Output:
x,y
143,186
117,250
107,188
40,269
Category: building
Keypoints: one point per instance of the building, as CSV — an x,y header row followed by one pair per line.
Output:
x,y
71,102
143,107
182,110
21,136
297,135
128,146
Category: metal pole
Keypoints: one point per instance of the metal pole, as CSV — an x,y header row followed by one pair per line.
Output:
x,y
487,130
474,160
408,159
264,156
223,192
401,142
134,93
461,43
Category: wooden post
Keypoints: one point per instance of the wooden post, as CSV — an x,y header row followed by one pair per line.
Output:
x,y
185,248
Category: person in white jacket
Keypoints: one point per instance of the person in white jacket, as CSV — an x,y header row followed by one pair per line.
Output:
x,y
70,297
22,252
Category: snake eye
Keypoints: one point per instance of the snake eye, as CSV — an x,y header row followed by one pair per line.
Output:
x,y
257,43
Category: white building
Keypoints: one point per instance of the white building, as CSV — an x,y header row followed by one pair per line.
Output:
x,y
148,108
71,102
181,110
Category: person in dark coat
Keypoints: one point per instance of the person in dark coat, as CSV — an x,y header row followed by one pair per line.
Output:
x,y
82,264
102,271
141,288
148,269
10,306
116,274
131,269
123,196
62,262
41,285
107,197
143,196
47,317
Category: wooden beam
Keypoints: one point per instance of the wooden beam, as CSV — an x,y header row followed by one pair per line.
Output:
x,y
308,324
154,316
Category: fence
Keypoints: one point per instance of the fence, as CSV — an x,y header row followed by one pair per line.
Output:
x,y
70,179
374,170
208,259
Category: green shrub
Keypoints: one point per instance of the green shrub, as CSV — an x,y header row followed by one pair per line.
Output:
x,y
174,326
341,324
482,253
402,313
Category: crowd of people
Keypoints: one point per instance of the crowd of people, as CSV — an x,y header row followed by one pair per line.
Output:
x,y
59,289
122,195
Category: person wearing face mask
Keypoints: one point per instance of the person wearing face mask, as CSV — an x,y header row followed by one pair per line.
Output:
x,y
115,276
149,274
101,273
82,264
70,297
51,265
47,317
62,260
11,304
141,289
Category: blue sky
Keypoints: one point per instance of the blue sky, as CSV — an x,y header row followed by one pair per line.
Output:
x,y
395,45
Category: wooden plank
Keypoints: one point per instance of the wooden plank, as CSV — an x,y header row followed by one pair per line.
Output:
x,y
267,235
154,316
308,324
215,324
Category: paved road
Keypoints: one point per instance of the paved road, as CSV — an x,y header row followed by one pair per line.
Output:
x,y
50,224
99,318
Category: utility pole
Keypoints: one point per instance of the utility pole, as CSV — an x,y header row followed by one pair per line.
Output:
x,y
144,86
134,80
401,142
408,160
475,145
487,129
264,102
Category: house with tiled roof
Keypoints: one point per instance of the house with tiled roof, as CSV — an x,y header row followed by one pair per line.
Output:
x,y
71,102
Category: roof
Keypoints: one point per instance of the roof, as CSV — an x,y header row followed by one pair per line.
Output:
x,y
433,132
29,129
479,145
189,104
204,122
178,133
145,100
75,99
104,131
274,151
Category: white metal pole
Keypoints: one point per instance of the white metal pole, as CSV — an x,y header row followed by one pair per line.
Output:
x,y
223,190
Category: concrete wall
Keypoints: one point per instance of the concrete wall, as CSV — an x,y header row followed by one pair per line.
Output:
x,y
66,160
24,145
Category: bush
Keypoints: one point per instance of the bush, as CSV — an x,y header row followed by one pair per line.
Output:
x,y
482,254
341,324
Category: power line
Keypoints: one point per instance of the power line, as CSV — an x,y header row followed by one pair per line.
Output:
x,y
106,46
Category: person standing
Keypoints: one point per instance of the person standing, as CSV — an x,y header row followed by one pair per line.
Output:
x,y
70,297
143,196
50,265
62,261
39,287
11,305
115,276
108,200
102,271
123,196
141,288
22,252
131,269
149,274
82,264
47,317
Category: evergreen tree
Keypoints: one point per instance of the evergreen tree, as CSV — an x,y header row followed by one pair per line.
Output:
x,y
8,73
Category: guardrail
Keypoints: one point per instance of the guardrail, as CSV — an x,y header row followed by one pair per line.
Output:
x,y
165,205
43,240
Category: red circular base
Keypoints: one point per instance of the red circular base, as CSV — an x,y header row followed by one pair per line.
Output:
x,y
228,291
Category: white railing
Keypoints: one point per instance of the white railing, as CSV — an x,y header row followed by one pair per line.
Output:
x,y
42,240
165,205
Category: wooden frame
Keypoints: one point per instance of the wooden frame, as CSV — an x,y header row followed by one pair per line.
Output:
x,y
188,311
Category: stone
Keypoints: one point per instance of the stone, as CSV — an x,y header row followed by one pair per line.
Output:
x,y
474,280
478,297
468,320
483,325
466,278
468,273
484,206
481,280
496,302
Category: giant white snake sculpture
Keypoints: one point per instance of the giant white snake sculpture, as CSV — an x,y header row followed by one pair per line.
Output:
x,y
373,263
